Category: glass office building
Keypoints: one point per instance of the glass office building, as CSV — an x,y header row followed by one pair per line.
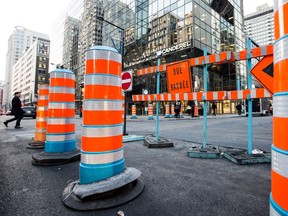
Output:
x,y
180,29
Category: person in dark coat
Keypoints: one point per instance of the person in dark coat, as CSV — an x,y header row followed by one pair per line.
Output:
x,y
192,104
177,108
214,107
239,108
16,111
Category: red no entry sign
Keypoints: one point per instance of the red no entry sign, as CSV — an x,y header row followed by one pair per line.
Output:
x,y
126,80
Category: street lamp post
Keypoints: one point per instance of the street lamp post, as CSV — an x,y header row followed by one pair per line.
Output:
x,y
81,99
122,54
32,93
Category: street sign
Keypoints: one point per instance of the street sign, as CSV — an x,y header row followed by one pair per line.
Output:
x,y
127,79
263,72
179,78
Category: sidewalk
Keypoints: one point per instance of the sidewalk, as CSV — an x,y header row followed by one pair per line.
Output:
x,y
185,117
174,183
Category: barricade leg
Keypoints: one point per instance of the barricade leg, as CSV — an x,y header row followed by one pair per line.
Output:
x,y
41,118
279,159
102,170
60,145
133,112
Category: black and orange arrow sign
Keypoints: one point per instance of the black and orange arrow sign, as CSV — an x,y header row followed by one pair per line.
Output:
x,y
263,72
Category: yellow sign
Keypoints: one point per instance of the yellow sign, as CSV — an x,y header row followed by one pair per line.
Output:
x,y
179,78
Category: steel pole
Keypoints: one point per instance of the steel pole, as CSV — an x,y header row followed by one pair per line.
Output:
x,y
205,102
249,76
157,103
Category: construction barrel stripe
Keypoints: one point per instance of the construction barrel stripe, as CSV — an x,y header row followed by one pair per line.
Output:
x,y
42,113
63,79
102,157
61,113
279,173
61,137
106,135
215,58
102,146
103,79
219,95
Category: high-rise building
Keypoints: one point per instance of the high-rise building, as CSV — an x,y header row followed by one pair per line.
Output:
x,y
30,70
180,29
20,40
75,31
259,26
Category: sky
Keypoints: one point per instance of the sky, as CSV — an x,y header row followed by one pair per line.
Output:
x,y
38,15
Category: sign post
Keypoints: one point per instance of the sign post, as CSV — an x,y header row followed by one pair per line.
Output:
x,y
127,78
205,71
158,91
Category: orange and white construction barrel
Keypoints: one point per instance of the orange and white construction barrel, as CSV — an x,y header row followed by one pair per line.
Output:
x,y
102,147
173,110
60,135
181,112
150,112
196,111
41,117
133,112
279,158
167,111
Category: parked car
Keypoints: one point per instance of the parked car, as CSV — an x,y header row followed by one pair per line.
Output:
x,y
29,111
8,112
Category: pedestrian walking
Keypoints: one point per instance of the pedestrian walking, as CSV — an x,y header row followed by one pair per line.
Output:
x,y
16,111
177,108
188,110
214,106
239,108
192,104
270,108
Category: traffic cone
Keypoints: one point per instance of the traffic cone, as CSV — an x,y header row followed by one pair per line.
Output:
x,y
41,118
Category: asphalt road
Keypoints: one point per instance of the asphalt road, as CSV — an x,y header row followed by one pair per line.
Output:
x,y
222,131
174,183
